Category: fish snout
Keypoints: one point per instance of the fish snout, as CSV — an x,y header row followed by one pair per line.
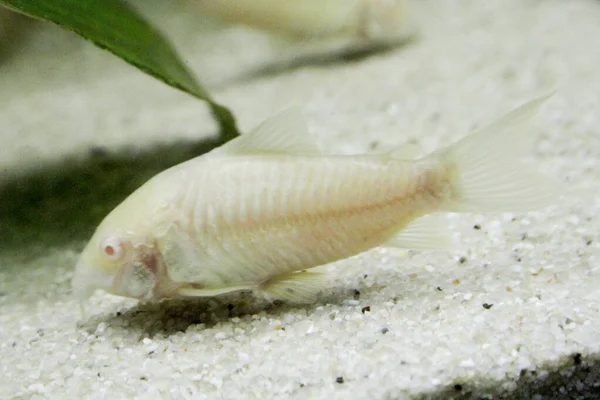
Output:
x,y
87,279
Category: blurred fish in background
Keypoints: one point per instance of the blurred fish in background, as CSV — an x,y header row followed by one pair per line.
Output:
x,y
298,32
373,20
318,31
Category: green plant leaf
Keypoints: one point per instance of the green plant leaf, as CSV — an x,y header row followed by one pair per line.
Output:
x,y
115,26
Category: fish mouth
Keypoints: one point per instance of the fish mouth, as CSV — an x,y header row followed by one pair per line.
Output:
x,y
87,279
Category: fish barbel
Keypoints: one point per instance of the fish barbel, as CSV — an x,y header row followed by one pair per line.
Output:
x,y
258,212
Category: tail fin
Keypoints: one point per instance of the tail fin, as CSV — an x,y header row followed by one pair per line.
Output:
x,y
489,175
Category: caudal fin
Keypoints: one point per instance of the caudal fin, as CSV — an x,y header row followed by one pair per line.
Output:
x,y
489,176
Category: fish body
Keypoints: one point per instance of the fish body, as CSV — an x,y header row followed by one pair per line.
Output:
x,y
309,19
259,212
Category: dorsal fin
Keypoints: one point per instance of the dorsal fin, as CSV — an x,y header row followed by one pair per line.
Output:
x,y
408,151
284,133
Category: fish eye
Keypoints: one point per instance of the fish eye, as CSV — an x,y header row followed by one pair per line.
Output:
x,y
112,248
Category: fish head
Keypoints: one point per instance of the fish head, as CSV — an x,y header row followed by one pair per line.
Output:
x,y
385,19
119,265
123,255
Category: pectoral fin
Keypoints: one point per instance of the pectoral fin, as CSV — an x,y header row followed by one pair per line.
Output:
x,y
190,291
295,287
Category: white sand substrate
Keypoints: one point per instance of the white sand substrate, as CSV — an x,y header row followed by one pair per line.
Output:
x,y
514,307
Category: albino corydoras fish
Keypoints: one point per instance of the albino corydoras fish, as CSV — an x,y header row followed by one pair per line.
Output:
x,y
258,212
311,19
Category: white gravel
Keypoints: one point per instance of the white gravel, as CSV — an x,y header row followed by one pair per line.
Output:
x,y
395,325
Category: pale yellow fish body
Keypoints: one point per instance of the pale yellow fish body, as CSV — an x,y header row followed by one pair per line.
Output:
x,y
372,19
257,212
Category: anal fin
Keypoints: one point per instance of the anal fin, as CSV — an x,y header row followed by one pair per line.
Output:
x,y
425,233
296,287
